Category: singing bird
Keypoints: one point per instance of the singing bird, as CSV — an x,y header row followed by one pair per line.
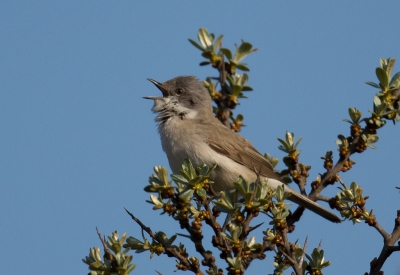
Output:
x,y
188,129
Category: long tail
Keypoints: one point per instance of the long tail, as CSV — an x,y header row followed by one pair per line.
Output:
x,y
313,206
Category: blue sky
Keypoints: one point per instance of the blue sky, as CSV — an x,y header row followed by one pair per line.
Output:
x,y
78,142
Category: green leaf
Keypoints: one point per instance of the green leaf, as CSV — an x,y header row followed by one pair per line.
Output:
x,y
373,139
373,84
227,53
382,62
217,43
195,180
201,192
204,170
188,169
204,63
284,143
172,239
247,88
149,189
162,174
240,186
134,243
130,268
377,101
298,141
242,67
383,77
243,79
224,203
245,47
154,180
389,66
243,51
186,196
395,82
204,38
355,115
346,120
207,54
194,43
230,80
248,196
157,203
179,179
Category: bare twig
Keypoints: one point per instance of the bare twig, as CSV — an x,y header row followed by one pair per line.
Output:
x,y
322,198
222,103
107,254
251,228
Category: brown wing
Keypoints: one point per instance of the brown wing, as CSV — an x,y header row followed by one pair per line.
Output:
x,y
242,151
227,143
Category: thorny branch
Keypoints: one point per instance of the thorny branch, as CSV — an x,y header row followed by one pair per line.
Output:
x,y
388,247
107,254
329,177
169,250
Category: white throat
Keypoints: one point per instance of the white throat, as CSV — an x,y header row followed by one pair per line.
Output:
x,y
169,107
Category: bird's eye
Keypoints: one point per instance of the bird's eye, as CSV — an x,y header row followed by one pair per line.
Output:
x,y
179,91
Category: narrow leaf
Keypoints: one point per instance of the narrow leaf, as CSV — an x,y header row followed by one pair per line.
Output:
x,y
247,88
284,143
194,43
204,38
187,195
389,67
242,67
373,84
217,43
204,63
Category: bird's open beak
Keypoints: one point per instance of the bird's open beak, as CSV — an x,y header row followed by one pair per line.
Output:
x,y
160,87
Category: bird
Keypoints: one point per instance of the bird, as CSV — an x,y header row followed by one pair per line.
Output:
x,y
188,129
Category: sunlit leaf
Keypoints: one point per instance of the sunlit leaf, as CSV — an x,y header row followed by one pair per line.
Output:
x,y
194,43
383,77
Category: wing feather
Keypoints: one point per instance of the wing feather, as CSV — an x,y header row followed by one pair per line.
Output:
x,y
245,155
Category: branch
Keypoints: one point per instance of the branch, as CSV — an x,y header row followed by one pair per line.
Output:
x,y
388,248
222,103
107,254
289,250
169,250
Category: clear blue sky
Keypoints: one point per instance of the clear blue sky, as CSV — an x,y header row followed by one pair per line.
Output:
x,y
78,142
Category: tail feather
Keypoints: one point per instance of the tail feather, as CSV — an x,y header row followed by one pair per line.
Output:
x,y
313,206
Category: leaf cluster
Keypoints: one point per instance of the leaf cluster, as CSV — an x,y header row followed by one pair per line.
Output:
x,y
115,261
190,205
230,85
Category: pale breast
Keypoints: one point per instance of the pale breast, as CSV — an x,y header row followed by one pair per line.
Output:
x,y
180,140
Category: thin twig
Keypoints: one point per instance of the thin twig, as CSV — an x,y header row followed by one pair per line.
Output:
x,y
170,250
388,248
107,254
322,198
251,228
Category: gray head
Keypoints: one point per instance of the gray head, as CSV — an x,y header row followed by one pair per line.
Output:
x,y
183,96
